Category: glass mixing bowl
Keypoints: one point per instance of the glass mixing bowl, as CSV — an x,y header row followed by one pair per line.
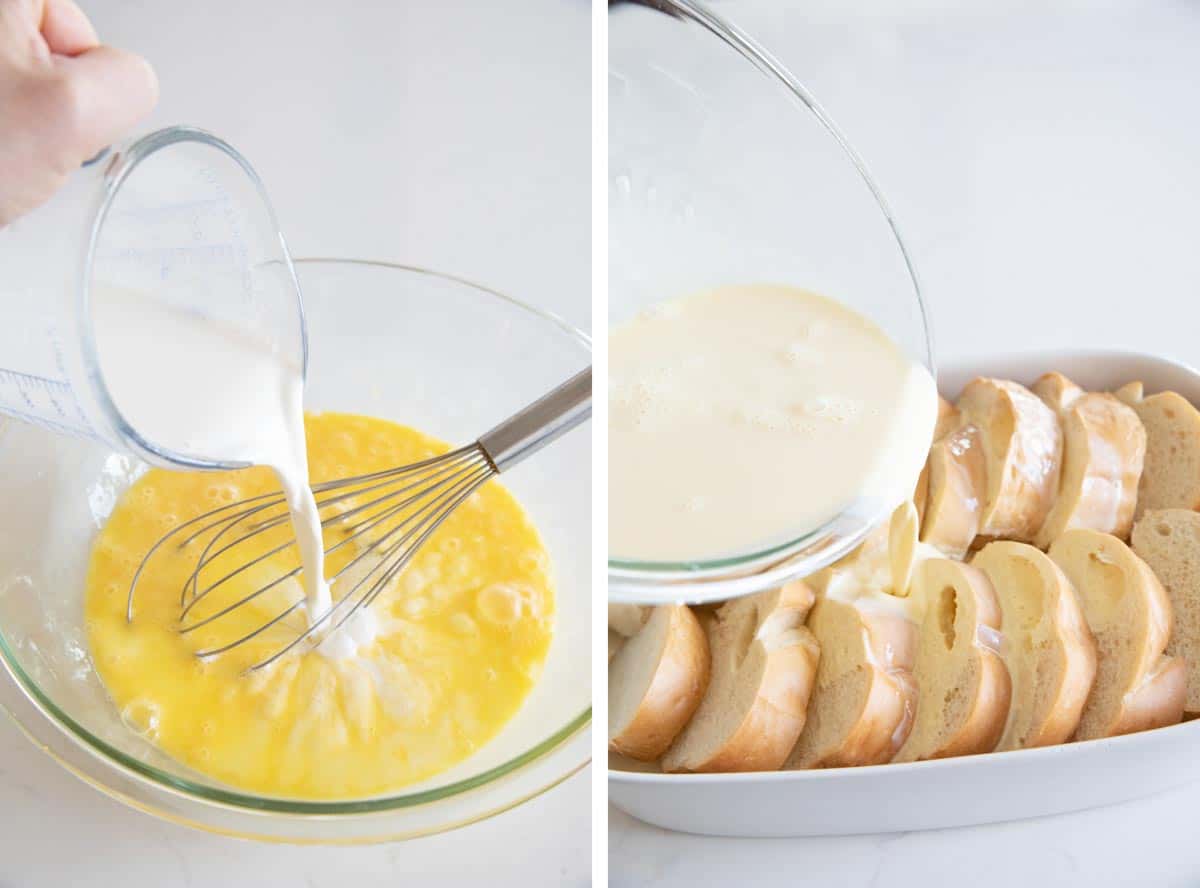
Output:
x,y
446,356
723,169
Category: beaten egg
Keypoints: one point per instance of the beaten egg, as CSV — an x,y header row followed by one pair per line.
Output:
x,y
457,641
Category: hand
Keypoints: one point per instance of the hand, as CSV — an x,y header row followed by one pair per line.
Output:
x,y
63,97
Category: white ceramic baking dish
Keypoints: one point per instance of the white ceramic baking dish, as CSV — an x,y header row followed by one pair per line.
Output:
x,y
949,792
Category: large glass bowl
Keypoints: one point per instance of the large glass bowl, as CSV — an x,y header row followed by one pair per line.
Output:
x,y
723,169
401,343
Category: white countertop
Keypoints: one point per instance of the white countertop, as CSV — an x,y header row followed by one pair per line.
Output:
x,y
1042,160
450,135
1145,843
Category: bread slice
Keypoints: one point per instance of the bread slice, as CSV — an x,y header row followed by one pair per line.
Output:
x,y
1136,686
862,705
764,662
615,642
947,421
957,485
1104,445
1169,541
1048,648
655,682
963,688
1022,448
1056,391
627,619
902,548
1171,477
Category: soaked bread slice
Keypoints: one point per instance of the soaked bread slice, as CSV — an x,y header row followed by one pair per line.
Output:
x,y
1022,448
957,485
1104,445
655,682
1048,648
862,706
963,687
1171,476
615,642
764,662
947,421
1136,686
1169,541
627,619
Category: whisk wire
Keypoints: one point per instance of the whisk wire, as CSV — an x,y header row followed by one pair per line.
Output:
x,y
414,500
399,553
354,532
463,490
452,460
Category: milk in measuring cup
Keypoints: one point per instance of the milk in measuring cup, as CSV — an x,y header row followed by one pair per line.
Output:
x,y
152,305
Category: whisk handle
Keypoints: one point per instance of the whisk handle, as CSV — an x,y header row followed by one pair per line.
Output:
x,y
547,418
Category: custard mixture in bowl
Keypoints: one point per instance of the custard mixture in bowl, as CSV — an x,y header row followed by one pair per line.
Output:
x,y
469,693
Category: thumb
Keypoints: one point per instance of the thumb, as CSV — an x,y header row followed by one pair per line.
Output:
x,y
109,91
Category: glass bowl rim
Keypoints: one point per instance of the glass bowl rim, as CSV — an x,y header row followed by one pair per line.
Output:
x,y
252,802
709,579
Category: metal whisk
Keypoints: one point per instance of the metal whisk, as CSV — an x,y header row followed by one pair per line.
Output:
x,y
403,507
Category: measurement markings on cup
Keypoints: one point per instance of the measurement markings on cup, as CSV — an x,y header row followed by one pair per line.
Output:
x,y
43,400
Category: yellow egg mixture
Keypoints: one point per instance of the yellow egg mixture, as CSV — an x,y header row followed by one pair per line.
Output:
x,y
462,633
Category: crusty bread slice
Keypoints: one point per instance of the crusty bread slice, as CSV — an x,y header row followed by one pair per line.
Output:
x,y
1171,476
947,421
615,642
1104,444
963,688
902,548
1136,686
1056,391
862,706
1169,541
1022,447
655,682
627,619
1048,648
957,483
764,662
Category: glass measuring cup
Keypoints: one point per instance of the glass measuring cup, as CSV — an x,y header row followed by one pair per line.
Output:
x,y
177,215
723,169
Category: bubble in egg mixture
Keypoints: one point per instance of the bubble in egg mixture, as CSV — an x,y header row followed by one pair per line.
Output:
x,y
505,603
445,669
533,561
142,717
499,603
222,493
414,580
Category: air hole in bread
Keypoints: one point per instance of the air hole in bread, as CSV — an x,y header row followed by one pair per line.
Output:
x,y
1169,413
1164,530
947,613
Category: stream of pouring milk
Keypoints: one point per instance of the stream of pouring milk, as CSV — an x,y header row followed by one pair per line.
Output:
x,y
206,389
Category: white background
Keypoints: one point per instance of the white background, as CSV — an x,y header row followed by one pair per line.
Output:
x,y
453,134
1043,160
